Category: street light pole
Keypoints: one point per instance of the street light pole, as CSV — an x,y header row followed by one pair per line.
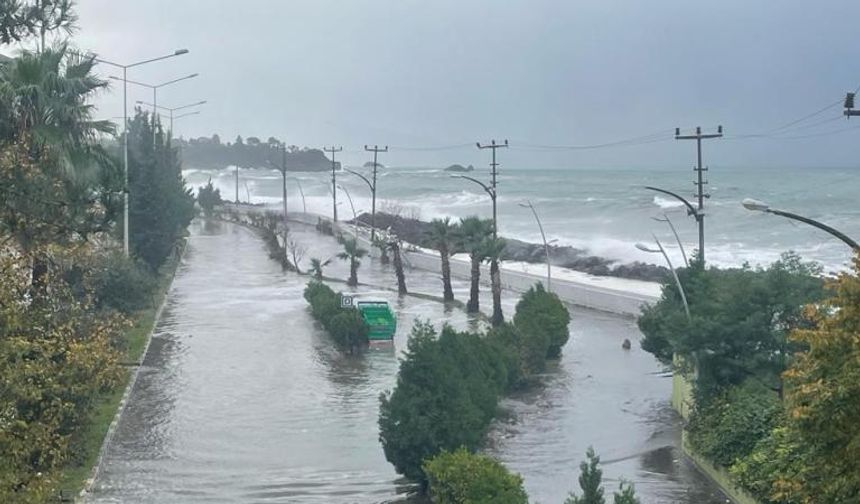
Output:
x,y
171,110
661,250
528,204
376,150
354,215
154,88
372,186
756,205
299,184
178,52
332,151
700,183
677,238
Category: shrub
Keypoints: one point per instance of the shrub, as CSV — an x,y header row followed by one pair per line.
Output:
x,y
446,396
345,325
349,329
542,316
729,426
122,284
461,477
208,197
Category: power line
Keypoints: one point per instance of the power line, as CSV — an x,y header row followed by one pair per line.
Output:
x,y
434,148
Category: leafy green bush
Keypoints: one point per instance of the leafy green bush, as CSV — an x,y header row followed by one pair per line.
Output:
x,y
345,325
446,396
730,426
542,316
740,320
462,477
122,284
772,471
349,329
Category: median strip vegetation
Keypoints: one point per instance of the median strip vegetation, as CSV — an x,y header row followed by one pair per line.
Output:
x,y
345,325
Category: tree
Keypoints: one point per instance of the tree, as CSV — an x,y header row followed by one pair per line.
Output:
x,y
58,184
353,253
446,395
740,321
626,494
20,20
462,477
208,197
160,206
823,396
541,314
394,246
317,266
474,233
590,479
495,247
444,236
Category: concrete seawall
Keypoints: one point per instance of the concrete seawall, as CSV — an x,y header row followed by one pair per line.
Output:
x,y
613,300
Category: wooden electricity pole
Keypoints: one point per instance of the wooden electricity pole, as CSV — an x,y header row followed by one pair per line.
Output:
x,y
332,150
700,182
494,165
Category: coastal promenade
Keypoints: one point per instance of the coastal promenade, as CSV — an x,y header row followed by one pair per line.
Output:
x,y
609,294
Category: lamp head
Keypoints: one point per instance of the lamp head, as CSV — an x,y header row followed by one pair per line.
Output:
x,y
755,205
180,52
645,248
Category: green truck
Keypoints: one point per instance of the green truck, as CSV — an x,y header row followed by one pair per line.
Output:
x,y
380,318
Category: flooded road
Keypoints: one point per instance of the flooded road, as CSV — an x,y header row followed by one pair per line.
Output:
x,y
242,398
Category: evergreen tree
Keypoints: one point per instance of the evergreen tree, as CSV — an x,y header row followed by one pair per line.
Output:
x,y
590,479
160,204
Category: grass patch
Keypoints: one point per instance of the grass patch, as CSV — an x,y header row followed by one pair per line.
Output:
x,y
87,441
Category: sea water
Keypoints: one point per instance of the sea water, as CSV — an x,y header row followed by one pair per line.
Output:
x,y
603,211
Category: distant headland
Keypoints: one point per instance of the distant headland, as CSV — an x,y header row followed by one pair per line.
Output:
x,y
210,152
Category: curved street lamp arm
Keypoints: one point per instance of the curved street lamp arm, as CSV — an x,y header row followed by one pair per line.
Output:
x,y
483,185
365,179
675,277
691,210
824,227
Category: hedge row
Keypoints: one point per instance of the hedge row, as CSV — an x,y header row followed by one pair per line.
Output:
x,y
345,325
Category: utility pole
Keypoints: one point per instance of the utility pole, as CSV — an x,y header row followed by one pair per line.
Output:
x,y
332,150
494,165
237,183
284,183
376,150
849,106
700,182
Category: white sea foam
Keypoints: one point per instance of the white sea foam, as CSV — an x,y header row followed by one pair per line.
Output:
x,y
667,203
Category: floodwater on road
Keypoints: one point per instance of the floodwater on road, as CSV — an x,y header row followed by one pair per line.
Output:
x,y
242,398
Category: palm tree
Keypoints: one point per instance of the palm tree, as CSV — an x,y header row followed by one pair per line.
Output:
x,y
443,236
46,119
353,253
474,233
494,249
394,246
317,266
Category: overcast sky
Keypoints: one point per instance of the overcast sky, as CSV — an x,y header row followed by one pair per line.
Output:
x,y
432,73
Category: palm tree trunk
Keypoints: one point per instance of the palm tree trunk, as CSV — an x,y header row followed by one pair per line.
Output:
x,y
496,278
398,268
473,305
353,273
447,292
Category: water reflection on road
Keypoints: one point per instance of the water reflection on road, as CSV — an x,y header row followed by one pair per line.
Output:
x,y
243,399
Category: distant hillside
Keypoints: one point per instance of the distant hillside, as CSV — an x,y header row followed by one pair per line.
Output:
x,y
209,152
